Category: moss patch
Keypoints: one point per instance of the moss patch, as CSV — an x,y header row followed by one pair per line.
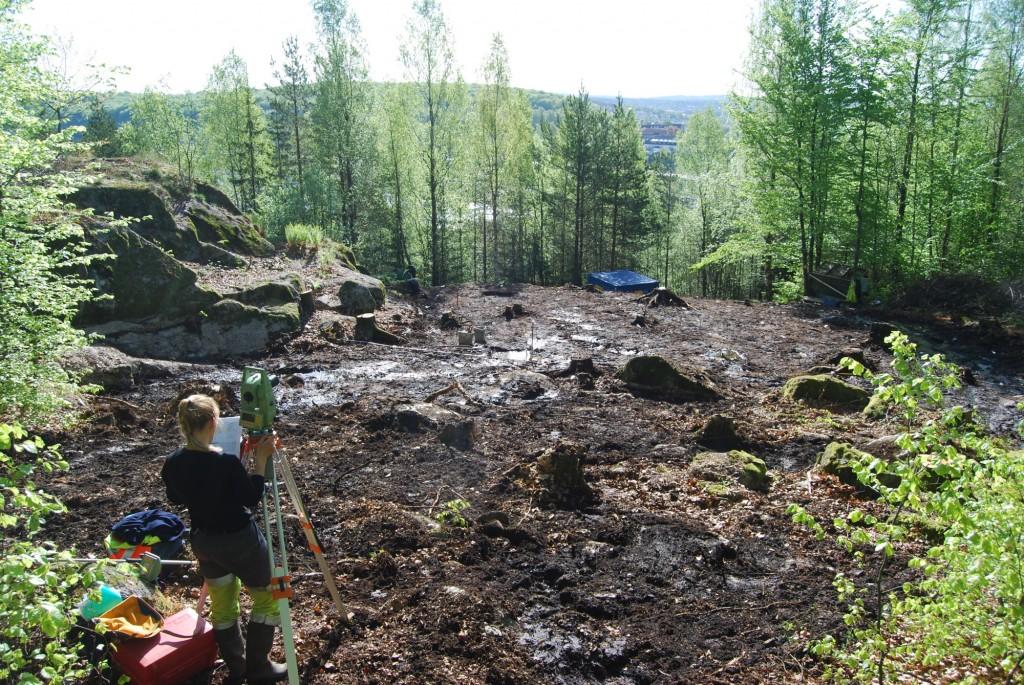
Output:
x,y
231,231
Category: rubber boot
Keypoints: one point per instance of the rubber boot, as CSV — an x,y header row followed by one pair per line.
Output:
x,y
232,651
259,667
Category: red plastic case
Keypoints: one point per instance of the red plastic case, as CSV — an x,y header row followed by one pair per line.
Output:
x,y
184,648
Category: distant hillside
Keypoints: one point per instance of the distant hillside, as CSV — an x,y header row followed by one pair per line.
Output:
x,y
675,109
672,109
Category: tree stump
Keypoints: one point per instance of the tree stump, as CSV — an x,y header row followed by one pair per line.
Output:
x,y
449,322
307,304
579,365
662,297
367,331
559,477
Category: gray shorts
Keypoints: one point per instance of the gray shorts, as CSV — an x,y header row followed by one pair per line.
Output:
x,y
242,553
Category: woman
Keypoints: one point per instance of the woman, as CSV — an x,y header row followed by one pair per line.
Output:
x,y
231,550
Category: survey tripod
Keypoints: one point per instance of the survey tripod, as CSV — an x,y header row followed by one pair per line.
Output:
x,y
258,409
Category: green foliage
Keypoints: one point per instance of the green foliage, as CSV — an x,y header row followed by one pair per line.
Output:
x,y
40,245
303,237
166,127
787,291
237,147
969,491
101,131
451,513
38,587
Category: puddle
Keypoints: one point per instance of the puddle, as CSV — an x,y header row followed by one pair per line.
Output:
x,y
541,343
333,386
567,317
382,370
759,585
548,642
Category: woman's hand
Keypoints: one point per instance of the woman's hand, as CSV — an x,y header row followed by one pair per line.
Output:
x,y
261,453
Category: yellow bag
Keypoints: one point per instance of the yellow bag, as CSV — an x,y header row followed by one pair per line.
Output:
x,y
132,618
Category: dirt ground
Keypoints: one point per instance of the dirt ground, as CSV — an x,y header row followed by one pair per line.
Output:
x,y
654,581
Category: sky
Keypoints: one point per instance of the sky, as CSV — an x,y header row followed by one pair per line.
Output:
x,y
639,48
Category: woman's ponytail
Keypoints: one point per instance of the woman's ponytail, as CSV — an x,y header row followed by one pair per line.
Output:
x,y
194,414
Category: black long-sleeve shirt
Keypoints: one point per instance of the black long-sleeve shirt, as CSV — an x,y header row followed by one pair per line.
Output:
x,y
217,490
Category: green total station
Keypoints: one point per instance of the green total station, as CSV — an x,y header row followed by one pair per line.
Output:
x,y
258,404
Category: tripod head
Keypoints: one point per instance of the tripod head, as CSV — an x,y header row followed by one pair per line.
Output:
x,y
259,407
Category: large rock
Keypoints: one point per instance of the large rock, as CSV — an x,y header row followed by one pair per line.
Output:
x,y
657,378
153,304
115,370
726,469
150,206
719,433
422,416
142,280
836,458
271,294
359,293
825,391
226,329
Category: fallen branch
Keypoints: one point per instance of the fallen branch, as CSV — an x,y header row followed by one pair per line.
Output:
x,y
456,387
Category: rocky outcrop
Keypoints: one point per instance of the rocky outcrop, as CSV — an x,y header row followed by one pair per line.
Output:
x,y
184,224
151,303
142,281
233,232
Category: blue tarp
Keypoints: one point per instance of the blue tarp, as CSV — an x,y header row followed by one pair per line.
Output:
x,y
623,279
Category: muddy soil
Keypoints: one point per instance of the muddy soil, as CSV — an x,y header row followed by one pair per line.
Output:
x,y
654,580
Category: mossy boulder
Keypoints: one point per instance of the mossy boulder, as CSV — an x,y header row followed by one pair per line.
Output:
x,y
232,231
344,255
360,294
825,391
214,196
213,254
875,408
731,468
654,377
836,458
142,280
